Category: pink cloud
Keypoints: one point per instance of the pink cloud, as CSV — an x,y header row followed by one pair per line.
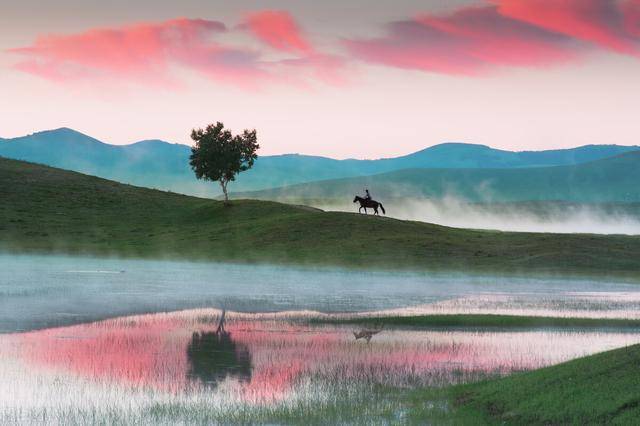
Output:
x,y
496,40
326,68
508,33
596,21
467,42
278,30
144,52
631,15
411,45
149,53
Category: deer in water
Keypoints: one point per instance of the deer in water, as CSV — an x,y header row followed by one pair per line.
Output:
x,y
366,334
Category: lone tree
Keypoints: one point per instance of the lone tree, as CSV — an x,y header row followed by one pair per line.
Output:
x,y
220,156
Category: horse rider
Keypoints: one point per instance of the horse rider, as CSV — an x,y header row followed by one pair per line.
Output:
x,y
367,196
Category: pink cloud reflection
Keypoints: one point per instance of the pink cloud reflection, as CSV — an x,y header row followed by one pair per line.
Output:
x,y
151,351
136,353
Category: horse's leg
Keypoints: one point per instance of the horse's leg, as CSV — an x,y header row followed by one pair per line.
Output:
x,y
375,209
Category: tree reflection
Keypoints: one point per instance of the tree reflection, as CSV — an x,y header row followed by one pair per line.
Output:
x,y
214,356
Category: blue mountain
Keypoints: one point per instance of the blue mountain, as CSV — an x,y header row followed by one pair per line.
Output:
x,y
609,180
163,165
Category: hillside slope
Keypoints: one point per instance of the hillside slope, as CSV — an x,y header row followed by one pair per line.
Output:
x,y
598,389
162,165
612,179
51,210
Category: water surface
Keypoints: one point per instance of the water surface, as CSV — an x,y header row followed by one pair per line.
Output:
x,y
45,291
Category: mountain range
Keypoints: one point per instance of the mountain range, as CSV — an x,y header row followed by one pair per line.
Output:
x,y
163,165
613,179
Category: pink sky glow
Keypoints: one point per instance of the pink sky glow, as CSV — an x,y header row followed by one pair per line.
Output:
x,y
331,79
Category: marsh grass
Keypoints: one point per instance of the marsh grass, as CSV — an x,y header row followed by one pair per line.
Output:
x,y
135,370
560,304
489,321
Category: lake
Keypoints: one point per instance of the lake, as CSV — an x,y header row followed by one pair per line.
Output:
x,y
88,340
47,291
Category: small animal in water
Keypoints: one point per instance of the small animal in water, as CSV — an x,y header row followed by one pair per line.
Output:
x,y
366,334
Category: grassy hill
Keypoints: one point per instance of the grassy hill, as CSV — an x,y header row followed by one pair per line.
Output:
x,y
599,389
612,179
50,210
161,165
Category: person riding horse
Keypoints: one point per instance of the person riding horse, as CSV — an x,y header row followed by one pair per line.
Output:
x,y
368,202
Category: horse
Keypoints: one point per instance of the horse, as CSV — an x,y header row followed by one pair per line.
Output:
x,y
365,204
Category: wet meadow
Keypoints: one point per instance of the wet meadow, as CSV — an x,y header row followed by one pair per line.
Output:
x,y
300,360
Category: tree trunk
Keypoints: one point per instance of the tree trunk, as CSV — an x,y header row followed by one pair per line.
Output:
x,y
220,328
223,184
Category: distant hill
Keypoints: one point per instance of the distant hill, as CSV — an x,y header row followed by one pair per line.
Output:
x,y
148,163
45,209
158,164
615,179
471,156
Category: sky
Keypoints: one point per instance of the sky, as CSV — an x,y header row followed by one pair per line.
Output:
x,y
344,79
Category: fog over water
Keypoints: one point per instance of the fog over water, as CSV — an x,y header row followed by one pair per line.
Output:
x,y
44,291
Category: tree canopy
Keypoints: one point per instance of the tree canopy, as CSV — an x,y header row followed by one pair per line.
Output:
x,y
219,156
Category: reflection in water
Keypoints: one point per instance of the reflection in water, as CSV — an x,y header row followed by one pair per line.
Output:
x,y
179,362
214,356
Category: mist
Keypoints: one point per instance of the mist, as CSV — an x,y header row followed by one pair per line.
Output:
x,y
553,217
42,291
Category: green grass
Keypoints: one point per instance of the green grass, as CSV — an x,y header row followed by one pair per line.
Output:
x,y
468,321
50,210
599,389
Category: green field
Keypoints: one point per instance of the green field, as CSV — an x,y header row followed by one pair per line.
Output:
x,y
599,389
50,210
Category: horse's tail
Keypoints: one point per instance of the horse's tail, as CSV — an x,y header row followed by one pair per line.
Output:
x,y
381,206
